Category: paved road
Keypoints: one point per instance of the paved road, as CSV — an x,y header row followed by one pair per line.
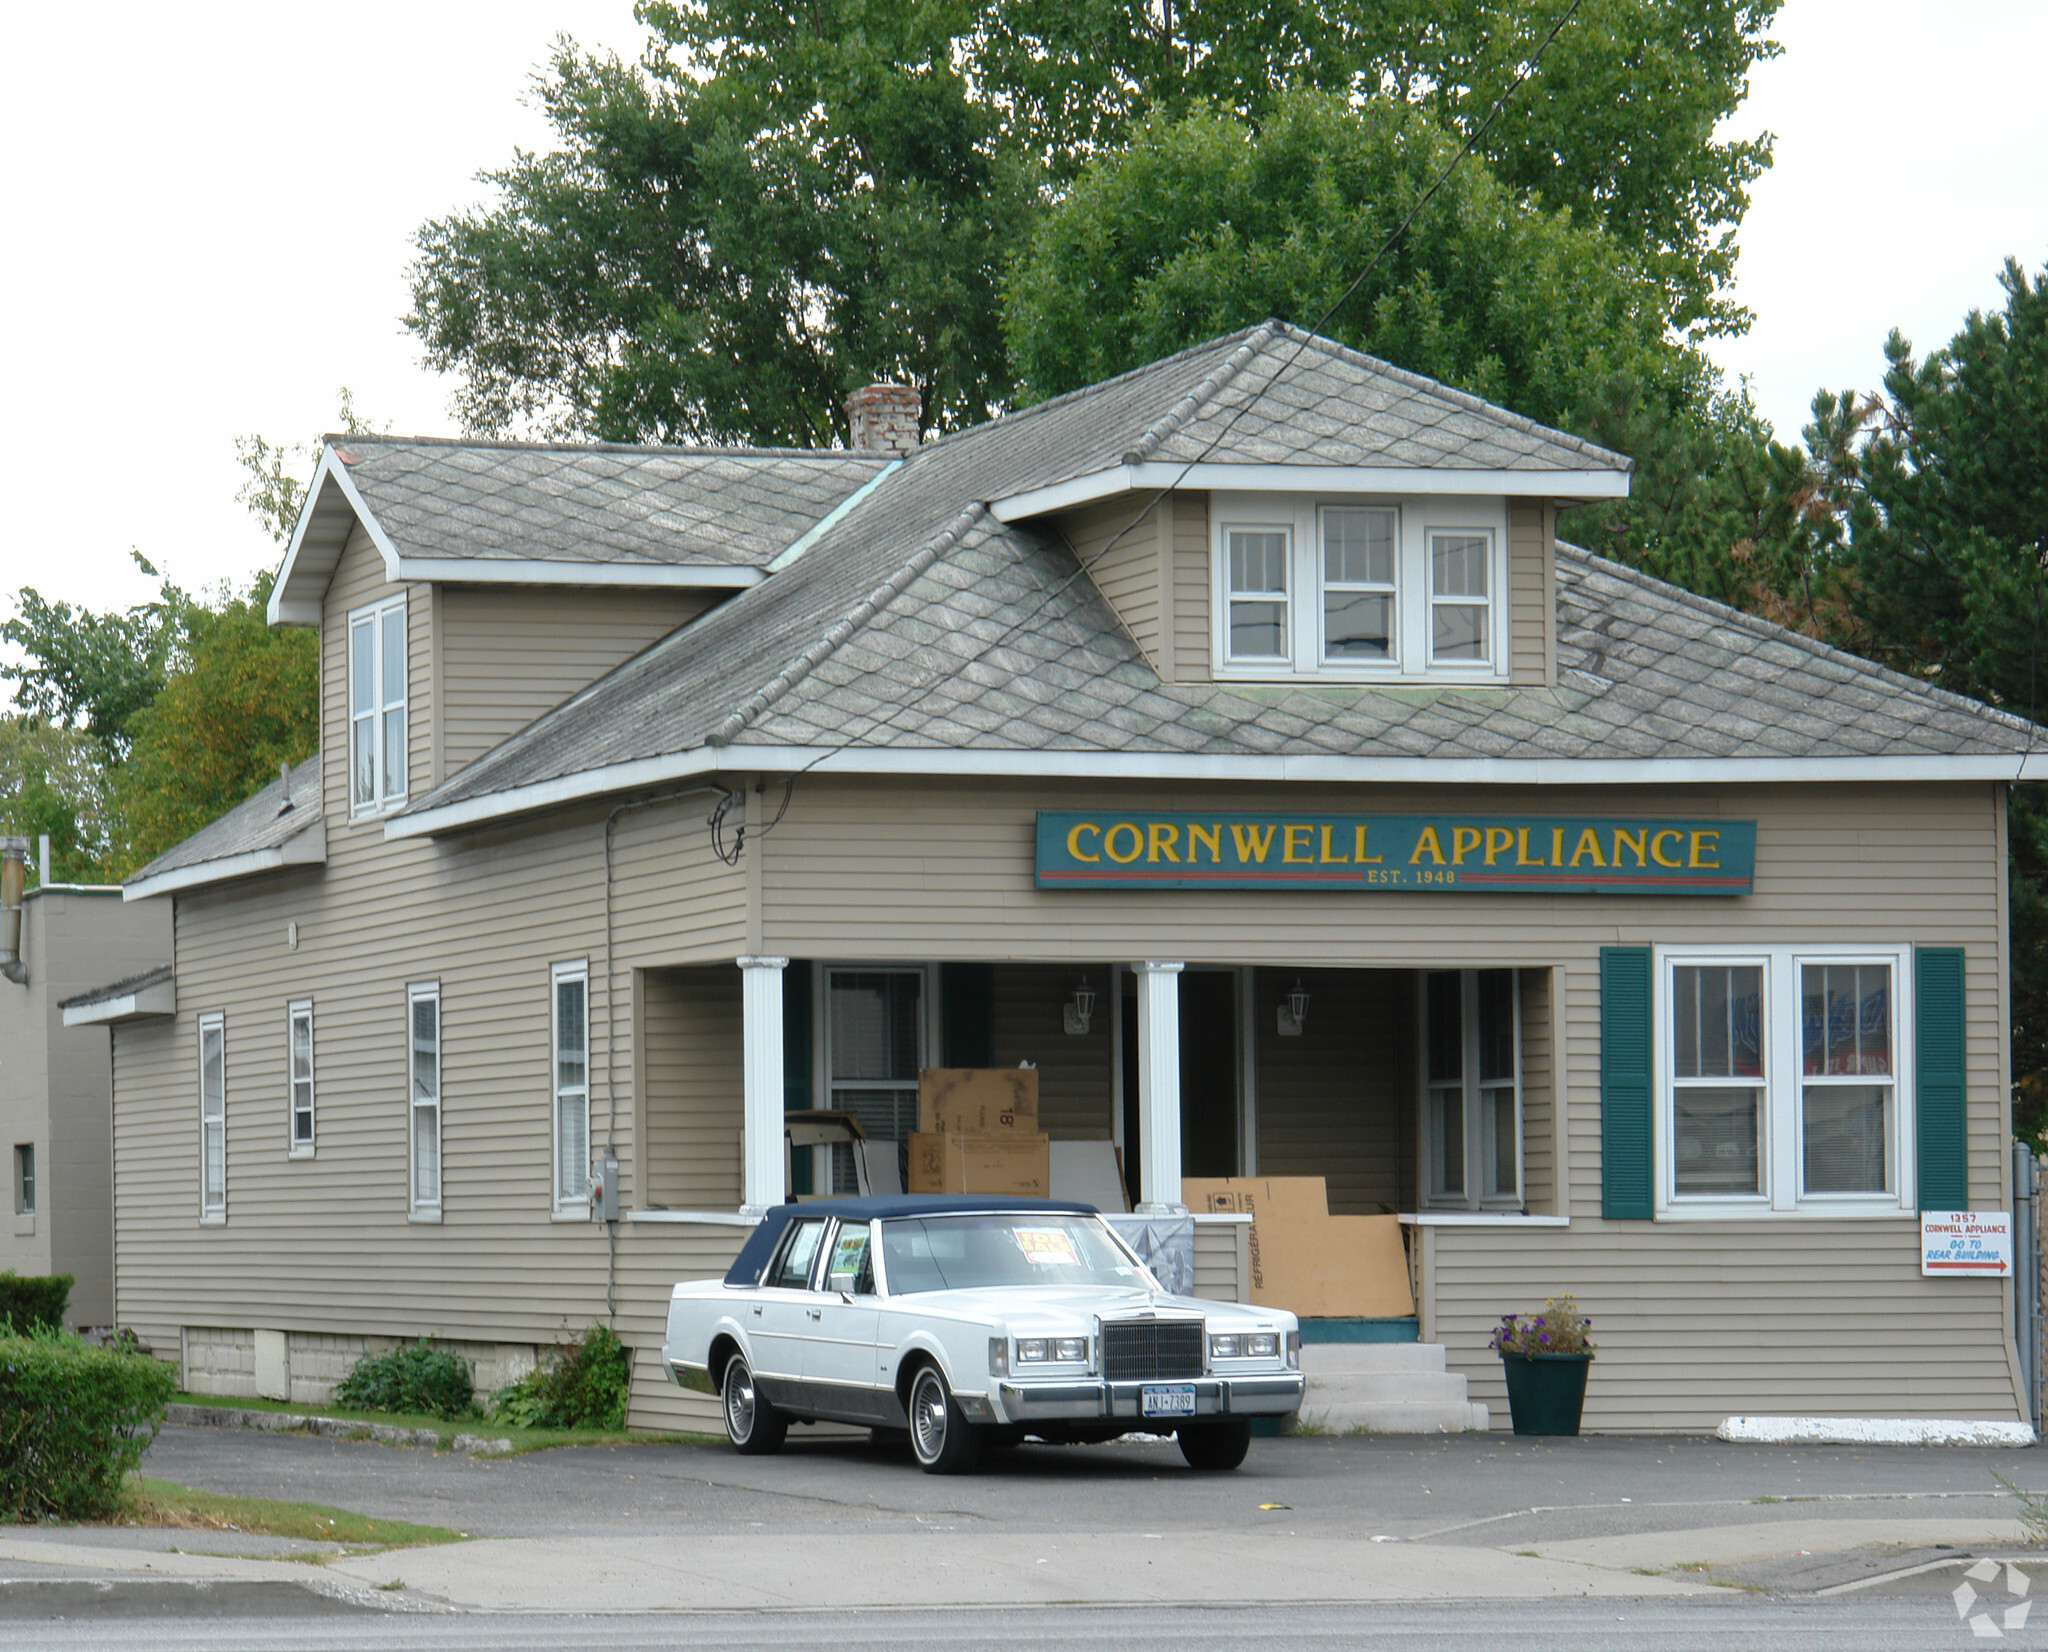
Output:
x,y
1599,1542
1737,1624
1496,1491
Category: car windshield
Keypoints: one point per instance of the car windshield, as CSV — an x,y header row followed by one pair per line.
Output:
x,y
950,1253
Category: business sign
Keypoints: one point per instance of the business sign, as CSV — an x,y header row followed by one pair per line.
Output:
x,y
1959,1243
1484,854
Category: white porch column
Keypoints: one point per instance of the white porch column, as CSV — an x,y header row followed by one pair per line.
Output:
x,y
1159,1089
761,1009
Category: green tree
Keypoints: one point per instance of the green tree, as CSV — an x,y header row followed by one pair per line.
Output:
x,y
54,780
777,204
1205,224
1619,124
242,699
91,670
723,253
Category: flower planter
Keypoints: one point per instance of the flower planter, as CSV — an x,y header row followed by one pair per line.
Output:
x,y
1546,1392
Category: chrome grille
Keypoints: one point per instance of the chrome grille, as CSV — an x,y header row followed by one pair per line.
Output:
x,y
1145,1350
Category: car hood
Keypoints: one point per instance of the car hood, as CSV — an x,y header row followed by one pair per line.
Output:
x,y
1071,1308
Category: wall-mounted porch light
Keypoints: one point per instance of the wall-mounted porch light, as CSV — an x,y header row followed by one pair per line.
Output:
x,y
1079,1008
1293,1010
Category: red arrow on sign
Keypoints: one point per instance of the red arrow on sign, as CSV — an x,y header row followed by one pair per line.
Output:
x,y
1972,1267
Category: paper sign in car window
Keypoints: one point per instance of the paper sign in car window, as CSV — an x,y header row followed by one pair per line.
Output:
x,y
847,1254
1048,1247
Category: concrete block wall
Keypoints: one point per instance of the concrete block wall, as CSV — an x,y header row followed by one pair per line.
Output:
x,y
224,1361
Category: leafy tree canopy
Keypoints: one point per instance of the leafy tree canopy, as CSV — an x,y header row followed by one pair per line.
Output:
x,y
1205,224
53,781
775,206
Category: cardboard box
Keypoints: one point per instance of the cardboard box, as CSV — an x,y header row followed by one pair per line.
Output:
x,y
977,1100
955,1161
1303,1258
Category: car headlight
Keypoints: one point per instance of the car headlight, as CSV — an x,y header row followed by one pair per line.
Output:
x,y
1071,1348
1031,1350
1244,1345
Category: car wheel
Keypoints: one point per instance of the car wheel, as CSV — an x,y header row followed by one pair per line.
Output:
x,y
753,1425
942,1440
1216,1445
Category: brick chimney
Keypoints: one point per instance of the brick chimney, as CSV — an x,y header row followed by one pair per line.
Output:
x,y
882,418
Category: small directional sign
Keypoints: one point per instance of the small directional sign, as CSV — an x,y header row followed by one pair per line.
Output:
x,y
1960,1243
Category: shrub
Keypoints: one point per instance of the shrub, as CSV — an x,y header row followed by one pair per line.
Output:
x,y
34,1302
73,1421
580,1385
1559,1329
413,1377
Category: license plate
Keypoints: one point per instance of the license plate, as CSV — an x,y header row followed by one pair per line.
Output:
x,y
1177,1401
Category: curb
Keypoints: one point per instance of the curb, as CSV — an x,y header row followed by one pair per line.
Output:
x,y
331,1428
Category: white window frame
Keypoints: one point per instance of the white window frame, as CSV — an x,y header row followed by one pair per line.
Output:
x,y
1781,1158
930,1032
1475,1136
426,1209
1418,519
375,720
213,1202
1495,570
1325,585
299,1012
569,1184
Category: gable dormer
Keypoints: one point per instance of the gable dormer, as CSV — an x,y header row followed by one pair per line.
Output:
x,y
1305,514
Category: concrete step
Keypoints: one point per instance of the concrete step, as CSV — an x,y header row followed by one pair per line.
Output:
x,y
1390,1387
1351,1358
1392,1417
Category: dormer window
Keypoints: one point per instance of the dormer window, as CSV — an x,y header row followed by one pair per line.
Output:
x,y
1460,611
1358,590
376,701
1358,584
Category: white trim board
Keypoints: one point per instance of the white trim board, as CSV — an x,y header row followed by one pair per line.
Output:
x,y
307,848
1320,479
1873,1431
706,761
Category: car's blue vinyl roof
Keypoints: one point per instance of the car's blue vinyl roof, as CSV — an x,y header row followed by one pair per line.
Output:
x,y
753,1257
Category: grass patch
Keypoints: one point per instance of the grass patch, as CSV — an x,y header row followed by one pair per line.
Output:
x,y
146,1502
523,1439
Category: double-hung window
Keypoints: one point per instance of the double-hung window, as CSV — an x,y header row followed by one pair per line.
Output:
x,y
1460,604
376,701
1260,624
1779,1081
299,1037
213,1117
570,1068
1358,560
423,1089
1472,1090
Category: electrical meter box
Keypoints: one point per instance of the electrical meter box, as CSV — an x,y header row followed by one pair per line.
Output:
x,y
604,1185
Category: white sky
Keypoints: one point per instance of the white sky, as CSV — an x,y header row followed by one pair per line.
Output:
x,y
213,222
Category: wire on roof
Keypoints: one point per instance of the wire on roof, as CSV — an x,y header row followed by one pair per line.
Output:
x,y
1082,564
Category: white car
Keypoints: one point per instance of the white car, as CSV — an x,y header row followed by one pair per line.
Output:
x,y
970,1322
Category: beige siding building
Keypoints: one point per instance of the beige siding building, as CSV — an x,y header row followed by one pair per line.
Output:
x,y
1650,952
56,1078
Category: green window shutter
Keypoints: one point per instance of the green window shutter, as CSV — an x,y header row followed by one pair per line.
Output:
x,y
967,1000
796,1036
1626,1090
1938,1088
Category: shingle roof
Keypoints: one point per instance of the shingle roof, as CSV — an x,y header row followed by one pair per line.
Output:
x,y
258,822
118,989
599,504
